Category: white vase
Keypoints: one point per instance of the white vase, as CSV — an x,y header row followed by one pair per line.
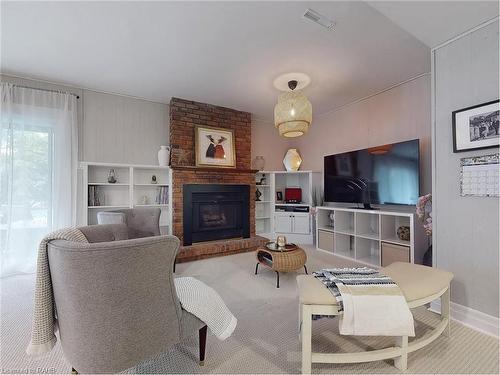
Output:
x,y
164,156
258,163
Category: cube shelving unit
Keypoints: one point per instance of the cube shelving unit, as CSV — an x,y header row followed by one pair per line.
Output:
x,y
360,235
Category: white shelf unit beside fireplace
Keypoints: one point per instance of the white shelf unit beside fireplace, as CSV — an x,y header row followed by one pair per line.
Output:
x,y
133,189
360,235
264,209
272,217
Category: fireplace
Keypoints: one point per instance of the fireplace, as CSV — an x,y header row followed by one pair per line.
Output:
x,y
215,212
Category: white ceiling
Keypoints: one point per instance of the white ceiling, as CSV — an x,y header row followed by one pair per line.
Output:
x,y
217,52
434,22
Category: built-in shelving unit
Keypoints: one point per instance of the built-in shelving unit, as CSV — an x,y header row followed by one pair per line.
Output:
x,y
275,217
265,207
134,188
363,235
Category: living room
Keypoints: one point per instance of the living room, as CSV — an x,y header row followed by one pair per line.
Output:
x,y
207,166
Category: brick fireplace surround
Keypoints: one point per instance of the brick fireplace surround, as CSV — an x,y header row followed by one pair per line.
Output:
x,y
184,116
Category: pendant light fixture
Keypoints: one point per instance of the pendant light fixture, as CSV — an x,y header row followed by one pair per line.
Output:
x,y
293,112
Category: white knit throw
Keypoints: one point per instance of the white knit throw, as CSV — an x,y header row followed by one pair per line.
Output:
x,y
206,304
44,321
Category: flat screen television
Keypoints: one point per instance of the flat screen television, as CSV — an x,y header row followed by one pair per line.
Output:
x,y
387,174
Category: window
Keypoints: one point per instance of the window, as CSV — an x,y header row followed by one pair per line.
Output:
x,y
38,146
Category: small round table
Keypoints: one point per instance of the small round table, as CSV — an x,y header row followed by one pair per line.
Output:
x,y
281,260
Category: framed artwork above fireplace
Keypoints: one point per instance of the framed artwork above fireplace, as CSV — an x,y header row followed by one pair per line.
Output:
x,y
214,147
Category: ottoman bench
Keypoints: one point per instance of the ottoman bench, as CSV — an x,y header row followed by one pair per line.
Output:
x,y
420,285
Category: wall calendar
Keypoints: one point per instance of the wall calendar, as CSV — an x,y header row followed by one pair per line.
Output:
x,y
480,176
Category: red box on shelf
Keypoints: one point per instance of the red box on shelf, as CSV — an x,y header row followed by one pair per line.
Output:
x,y
293,195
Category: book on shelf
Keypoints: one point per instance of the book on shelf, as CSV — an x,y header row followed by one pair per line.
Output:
x,y
93,196
162,195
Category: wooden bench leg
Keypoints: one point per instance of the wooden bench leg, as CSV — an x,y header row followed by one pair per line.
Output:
x,y
401,362
203,343
445,310
306,339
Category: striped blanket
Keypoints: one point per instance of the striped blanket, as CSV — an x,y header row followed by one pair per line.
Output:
x,y
372,303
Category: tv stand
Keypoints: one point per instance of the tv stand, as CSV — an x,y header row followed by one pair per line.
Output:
x,y
369,237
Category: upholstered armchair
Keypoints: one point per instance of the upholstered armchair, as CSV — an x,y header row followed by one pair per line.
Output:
x,y
141,222
115,299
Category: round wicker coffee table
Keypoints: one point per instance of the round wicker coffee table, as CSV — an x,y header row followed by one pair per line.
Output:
x,y
281,261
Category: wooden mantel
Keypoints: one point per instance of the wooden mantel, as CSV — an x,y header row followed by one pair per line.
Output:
x,y
213,169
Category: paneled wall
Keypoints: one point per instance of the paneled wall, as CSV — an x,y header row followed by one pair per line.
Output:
x,y
120,129
114,128
465,228
398,114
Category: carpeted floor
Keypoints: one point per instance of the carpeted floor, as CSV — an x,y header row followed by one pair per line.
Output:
x,y
266,338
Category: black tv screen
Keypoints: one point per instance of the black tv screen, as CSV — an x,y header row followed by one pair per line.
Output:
x,y
387,174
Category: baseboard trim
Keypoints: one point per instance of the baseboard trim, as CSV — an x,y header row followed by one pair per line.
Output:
x,y
471,318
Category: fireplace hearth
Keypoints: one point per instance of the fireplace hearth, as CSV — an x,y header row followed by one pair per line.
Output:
x,y
215,211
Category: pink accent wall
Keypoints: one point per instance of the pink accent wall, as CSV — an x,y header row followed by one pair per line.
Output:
x,y
399,114
267,143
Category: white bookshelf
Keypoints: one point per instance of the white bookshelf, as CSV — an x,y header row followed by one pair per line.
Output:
x,y
359,235
132,189
272,217
265,207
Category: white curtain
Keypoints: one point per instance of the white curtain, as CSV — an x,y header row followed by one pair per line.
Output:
x,y
38,164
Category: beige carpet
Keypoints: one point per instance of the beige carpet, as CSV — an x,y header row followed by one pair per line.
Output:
x,y
266,338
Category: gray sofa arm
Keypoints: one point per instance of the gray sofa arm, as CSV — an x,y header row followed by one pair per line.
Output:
x,y
116,301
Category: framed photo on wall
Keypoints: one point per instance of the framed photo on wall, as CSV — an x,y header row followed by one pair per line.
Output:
x,y
476,127
214,147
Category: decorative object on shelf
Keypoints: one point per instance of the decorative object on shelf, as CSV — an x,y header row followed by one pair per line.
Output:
x,y
476,127
112,176
332,219
293,112
479,176
153,179
281,241
262,181
424,215
144,199
403,233
164,156
258,194
279,196
292,160
293,195
258,163
215,147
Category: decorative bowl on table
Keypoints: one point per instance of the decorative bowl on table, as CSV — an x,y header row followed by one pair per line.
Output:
x,y
273,246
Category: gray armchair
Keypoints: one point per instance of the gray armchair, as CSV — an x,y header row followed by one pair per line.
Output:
x,y
115,299
141,222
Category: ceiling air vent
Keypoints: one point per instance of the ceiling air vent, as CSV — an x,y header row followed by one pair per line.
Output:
x,y
319,19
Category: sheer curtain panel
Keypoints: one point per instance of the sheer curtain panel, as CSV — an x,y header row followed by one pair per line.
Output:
x,y
38,164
